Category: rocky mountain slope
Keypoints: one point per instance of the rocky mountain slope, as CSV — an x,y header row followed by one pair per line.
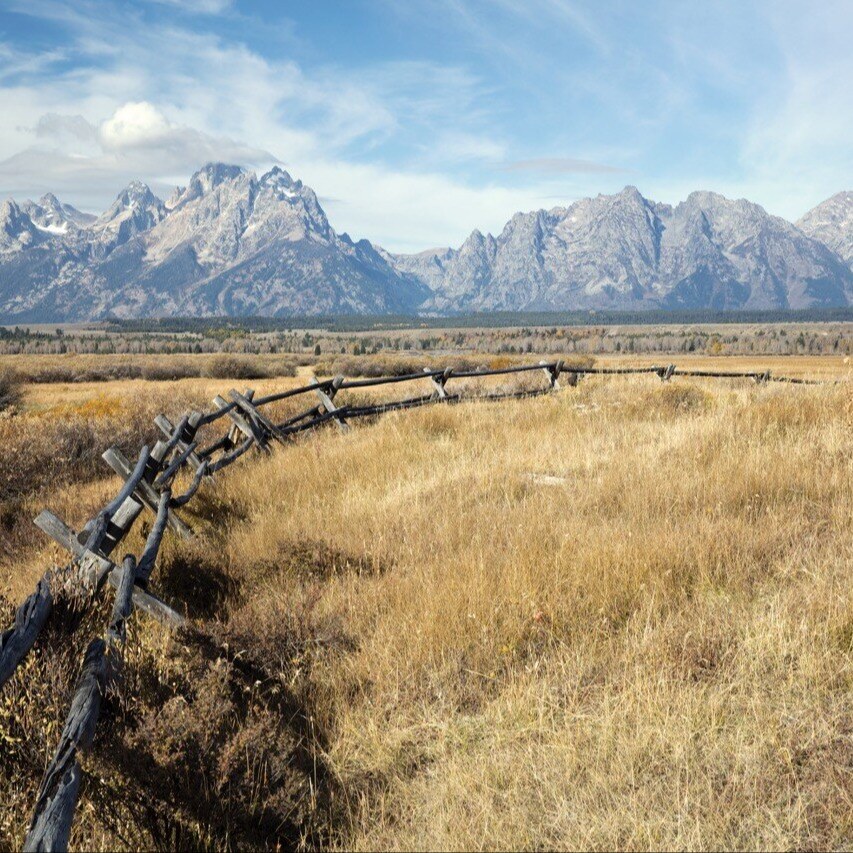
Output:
x,y
831,222
228,243
626,252
231,243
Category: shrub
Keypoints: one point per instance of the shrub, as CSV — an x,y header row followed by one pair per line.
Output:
x,y
10,388
169,372
231,367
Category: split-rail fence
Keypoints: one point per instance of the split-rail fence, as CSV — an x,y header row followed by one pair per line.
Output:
x,y
147,483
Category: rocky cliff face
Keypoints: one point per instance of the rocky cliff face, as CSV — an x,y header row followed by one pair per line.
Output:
x,y
50,215
234,244
831,222
626,252
228,243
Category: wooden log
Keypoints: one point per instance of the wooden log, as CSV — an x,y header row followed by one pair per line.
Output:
x,y
552,371
132,478
92,567
319,418
97,533
183,439
283,395
171,471
390,380
308,414
326,393
244,425
206,452
123,604
50,827
438,382
261,421
120,524
155,537
177,436
150,604
144,491
100,569
498,371
30,618
228,458
193,487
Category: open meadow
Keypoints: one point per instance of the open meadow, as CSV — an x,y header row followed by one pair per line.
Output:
x,y
617,616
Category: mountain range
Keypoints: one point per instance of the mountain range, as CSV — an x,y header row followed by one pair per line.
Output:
x,y
232,243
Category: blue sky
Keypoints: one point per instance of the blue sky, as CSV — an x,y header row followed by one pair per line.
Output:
x,y
418,120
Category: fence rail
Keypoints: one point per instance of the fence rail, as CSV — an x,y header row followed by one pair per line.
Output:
x,y
148,482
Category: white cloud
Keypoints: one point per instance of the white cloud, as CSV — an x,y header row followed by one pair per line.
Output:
x,y
203,7
142,110
409,153
135,125
560,165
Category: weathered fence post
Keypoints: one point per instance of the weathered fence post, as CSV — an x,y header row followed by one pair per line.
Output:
x,y
327,399
99,568
552,371
50,827
30,617
438,383
261,422
242,423
144,490
123,604
183,437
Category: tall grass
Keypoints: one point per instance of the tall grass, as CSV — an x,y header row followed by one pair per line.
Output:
x,y
654,651
619,617
10,388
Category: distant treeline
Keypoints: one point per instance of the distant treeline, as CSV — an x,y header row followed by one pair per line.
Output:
x,y
226,326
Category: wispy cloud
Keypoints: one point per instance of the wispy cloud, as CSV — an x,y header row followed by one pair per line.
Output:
x,y
422,120
560,165
130,108
204,7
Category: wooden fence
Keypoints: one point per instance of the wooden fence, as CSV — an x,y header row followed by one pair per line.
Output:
x,y
147,484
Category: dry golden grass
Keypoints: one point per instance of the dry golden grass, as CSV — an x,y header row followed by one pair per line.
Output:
x,y
824,367
619,617
655,652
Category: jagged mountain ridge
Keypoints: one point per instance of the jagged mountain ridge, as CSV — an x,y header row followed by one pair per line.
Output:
x,y
831,222
625,252
232,243
228,243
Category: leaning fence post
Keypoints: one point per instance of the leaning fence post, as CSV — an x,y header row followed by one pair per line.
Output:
x,y
552,371
143,490
50,827
30,617
438,382
327,399
261,422
183,438
241,422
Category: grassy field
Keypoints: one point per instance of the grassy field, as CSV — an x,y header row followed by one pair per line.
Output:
x,y
617,617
